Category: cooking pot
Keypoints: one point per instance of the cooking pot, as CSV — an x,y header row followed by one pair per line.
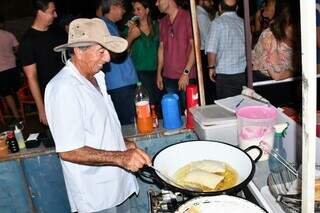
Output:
x,y
170,159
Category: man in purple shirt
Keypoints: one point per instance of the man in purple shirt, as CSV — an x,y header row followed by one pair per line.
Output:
x,y
176,56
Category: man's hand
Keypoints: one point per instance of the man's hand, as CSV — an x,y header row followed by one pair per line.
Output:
x,y
183,82
159,82
212,74
134,159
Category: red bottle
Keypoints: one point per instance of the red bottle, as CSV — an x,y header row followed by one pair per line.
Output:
x,y
155,121
192,99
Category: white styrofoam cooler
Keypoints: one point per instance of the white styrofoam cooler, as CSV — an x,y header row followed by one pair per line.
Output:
x,y
213,122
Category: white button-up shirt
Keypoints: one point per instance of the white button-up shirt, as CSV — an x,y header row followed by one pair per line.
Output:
x,y
79,115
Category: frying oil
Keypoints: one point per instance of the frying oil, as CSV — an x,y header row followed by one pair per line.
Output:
x,y
231,178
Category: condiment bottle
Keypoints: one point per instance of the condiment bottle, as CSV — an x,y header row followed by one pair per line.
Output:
x,y
3,145
275,165
155,121
12,143
19,138
144,118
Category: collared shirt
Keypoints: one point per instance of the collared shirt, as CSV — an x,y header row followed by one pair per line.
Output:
x,y
176,44
122,73
204,24
7,58
226,39
79,115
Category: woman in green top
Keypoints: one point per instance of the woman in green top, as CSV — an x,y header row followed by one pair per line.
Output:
x,y
143,39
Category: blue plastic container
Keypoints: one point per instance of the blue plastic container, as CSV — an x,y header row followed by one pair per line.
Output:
x,y
171,111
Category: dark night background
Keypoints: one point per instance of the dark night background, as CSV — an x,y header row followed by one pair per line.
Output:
x,y
16,9
18,14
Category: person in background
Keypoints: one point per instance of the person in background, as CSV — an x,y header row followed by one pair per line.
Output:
x,y
225,46
97,163
40,62
143,39
9,73
121,76
98,7
204,19
176,56
276,55
264,16
66,20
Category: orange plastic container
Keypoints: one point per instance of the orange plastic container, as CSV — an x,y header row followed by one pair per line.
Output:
x,y
145,125
4,151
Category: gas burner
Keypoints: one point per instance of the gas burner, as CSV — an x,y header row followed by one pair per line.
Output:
x,y
165,201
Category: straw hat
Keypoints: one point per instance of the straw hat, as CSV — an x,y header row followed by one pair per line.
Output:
x,y
84,32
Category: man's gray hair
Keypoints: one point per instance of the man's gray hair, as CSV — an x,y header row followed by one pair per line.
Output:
x,y
106,5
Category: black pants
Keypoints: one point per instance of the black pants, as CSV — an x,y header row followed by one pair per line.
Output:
x,y
209,86
229,85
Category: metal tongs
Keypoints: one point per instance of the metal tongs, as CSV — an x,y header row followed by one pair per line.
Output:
x,y
171,180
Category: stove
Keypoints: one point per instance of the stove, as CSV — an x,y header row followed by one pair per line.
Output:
x,y
165,201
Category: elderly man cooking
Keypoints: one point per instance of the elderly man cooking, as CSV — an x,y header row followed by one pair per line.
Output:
x,y
96,161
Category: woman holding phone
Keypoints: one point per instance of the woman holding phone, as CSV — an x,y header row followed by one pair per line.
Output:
x,y
143,37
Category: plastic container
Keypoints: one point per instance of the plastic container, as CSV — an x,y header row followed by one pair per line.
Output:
x,y
192,100
274,165
143,117
19,137
212,122
171,111
3,140
255,125
4,151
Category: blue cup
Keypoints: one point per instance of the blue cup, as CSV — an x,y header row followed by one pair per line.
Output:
x,y
171,111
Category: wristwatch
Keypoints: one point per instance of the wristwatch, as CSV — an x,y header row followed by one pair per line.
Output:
x,y
186,71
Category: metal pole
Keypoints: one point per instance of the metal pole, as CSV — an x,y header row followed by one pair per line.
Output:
x,y
248,36
309,70
197,52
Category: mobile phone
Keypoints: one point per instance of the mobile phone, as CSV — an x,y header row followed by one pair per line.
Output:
x,y
135,18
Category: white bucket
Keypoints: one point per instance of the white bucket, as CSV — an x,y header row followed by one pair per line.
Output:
x,y
255,127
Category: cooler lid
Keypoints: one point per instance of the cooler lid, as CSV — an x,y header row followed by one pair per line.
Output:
x,y
212,115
